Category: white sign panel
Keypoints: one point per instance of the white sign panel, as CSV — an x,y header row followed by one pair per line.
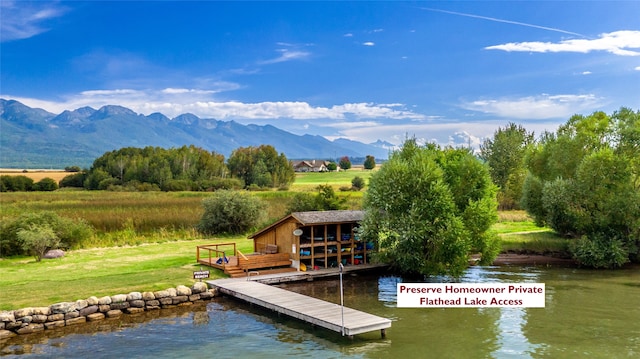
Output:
x,y
471,295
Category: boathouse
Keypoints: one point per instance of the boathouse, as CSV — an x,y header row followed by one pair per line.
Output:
x,y
315,239
301,241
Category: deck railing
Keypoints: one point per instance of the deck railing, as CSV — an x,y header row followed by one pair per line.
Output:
x,y
215,252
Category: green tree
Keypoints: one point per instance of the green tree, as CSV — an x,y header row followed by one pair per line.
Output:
x,y
332,166
46,184
261,166
345,163
74,180
156,167
36,240
583,183
16,183
421,215
505,153
369,162
230,212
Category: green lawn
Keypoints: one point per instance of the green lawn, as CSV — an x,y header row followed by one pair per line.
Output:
x,y
310,180
103,271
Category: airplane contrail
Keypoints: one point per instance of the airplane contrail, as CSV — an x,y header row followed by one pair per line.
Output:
x,y
504,21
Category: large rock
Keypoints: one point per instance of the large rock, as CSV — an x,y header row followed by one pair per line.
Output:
x,y
6,316
89,310
53,253
161,294
104,300
41,311
198,287
24,312
134,296
64,307
182,290
81,304
39,318
93,300
118,298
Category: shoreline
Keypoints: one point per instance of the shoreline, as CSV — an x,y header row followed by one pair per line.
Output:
x,y
506,259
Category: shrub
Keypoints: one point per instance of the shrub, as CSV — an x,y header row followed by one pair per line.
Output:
x,y
70,232
599,251
74,180
178,185
357,183
37,239
46,184
16,183
230,212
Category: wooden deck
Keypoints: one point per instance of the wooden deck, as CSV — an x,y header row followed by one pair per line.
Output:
x,y
311,310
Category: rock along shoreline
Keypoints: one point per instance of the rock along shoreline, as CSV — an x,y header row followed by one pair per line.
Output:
x,y
36,319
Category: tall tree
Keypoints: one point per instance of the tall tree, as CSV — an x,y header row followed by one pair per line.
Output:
x,y
369,162
504,154
428,208
583,183
344,163
261,166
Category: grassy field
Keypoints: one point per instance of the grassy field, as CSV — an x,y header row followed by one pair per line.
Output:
x,y
152,244
103,271
36,175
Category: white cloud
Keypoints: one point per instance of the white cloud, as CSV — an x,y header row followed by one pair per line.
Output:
x,y
536,107
22,20
637,68
286,55
173,101
348,35
369,43
618,43
586,72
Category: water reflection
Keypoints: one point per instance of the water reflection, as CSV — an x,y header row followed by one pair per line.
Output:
x,y
587,314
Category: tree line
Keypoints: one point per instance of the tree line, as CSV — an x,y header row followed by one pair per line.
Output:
x,y
583,181
187,168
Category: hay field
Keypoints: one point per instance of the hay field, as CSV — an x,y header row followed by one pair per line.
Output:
x,y
36,174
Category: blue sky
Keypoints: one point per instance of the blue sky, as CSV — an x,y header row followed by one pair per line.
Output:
x,y
446,72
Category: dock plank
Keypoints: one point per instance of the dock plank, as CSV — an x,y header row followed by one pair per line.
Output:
x,y
312,310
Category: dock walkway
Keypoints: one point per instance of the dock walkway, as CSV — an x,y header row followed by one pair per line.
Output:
x,y
312,310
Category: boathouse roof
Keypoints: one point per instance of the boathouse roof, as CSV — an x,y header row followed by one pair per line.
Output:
x,y
317,217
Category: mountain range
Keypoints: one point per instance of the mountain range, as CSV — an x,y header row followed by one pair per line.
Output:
x,y
35,138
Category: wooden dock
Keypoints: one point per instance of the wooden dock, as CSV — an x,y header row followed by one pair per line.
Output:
x,y
312,310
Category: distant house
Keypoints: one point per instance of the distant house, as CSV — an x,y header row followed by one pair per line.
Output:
x,y
311,166
317,239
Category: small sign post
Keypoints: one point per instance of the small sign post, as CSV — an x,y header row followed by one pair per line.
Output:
x,y
201,274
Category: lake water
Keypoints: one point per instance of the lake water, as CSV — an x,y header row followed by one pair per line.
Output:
x,y
594,314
